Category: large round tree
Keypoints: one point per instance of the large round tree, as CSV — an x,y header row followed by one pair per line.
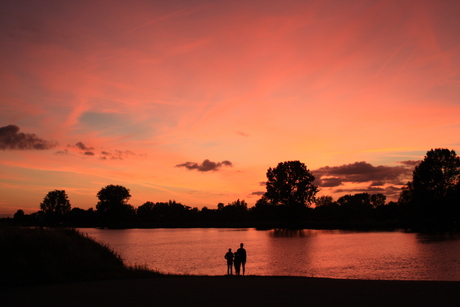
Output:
x,y
55,205
434,192
290,190
290,184
112,206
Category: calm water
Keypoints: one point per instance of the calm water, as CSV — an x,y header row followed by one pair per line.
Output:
x,y
318,253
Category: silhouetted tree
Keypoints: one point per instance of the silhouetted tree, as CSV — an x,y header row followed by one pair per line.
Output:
x,y
235,212
326,210
378,200
355,202
19,216
55,206
146,212
391,214
238,205
290,184
112,196
355,208
323,201
266,214
433,195
171,213
113,207
82,218
207,216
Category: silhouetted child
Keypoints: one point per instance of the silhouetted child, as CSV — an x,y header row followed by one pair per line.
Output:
x,y
237,262
229,257
242,257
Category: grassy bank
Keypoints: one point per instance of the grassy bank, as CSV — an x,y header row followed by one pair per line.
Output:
x,y
36,256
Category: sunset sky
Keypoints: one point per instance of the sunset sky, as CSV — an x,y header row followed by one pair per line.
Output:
x,y
194,100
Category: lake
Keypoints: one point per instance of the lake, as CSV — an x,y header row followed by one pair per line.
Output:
x,y
312,253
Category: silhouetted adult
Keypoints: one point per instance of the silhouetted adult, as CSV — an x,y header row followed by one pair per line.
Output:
x,y
229,257
237,262
242,257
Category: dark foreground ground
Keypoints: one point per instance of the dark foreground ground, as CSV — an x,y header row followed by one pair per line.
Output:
x,y
236,291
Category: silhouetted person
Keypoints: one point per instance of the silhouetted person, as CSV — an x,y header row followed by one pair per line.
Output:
x,y
229,257
237,262
242,257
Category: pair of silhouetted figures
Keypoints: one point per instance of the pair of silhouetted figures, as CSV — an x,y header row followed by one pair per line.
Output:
x,y
237,259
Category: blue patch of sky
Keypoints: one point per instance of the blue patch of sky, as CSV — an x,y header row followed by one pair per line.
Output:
x,y
115,124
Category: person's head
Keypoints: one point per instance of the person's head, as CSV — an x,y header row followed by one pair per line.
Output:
x,y
241,245
229,249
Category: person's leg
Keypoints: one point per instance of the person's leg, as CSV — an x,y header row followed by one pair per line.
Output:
x,y
243,265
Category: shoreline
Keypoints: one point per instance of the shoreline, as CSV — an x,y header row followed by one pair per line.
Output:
x,y
175,290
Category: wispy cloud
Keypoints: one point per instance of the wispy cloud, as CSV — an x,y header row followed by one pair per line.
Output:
x,y
62,152
11,138
80,149
116,154
83,146
205,166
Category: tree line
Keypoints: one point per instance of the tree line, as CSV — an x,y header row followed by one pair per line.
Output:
x,y
430,200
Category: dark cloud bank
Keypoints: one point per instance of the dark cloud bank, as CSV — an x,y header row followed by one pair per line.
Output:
x,y
359,172
362,172
11,138
205,166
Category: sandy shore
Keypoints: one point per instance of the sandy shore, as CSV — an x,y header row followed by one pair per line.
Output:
x,y
236,291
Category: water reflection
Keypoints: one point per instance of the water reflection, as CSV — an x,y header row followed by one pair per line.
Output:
x,y
437,237
289,233
334,254
289,252
438,255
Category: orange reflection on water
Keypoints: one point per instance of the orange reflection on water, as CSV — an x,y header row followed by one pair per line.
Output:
x,y
318,253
